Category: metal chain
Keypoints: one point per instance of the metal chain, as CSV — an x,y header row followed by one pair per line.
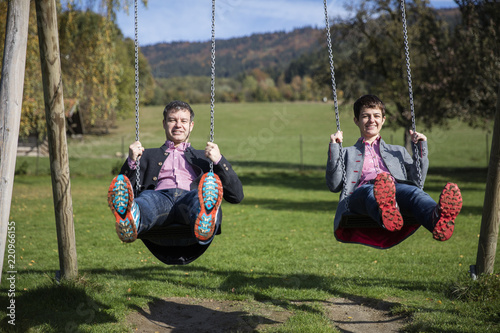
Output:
x,y
335,103
332,68
136,54
212,83
410,91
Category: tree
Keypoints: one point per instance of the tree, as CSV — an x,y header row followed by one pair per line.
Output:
x,y
369,54
469,70
101,68
97,64
32,112
106,8
126,81
88,59
455,68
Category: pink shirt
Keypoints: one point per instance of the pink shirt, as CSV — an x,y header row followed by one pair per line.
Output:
x,y
373,163
175,172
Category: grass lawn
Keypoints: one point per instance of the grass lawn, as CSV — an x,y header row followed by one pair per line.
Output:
x,y
277,246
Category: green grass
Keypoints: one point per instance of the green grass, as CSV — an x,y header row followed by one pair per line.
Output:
x,y
277,246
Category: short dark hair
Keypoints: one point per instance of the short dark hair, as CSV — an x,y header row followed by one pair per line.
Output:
x,y
177,106
368,102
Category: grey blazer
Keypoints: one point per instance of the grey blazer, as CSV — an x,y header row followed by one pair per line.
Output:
x,y
397,159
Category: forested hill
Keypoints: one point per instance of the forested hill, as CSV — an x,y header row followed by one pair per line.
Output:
x,y
270,52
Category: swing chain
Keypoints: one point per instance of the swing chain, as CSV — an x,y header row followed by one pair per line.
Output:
x,y
410,91
335,103
212,83
332,68
136,56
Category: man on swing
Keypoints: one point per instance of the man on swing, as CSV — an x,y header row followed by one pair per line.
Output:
x,y
381,182
176,187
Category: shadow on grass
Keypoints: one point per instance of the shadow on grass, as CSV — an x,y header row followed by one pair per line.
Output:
x,y
297,180
254,284
260,165
187,315
292,205
61,307
469,174
281,175
66,307
312,177
461,175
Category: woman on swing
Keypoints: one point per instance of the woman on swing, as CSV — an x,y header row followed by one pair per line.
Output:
x,y
382,182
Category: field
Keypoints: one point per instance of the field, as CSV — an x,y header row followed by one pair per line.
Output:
x,y
276,255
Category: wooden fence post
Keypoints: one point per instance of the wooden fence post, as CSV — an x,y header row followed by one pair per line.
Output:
x,y
48,37
11,98
491,210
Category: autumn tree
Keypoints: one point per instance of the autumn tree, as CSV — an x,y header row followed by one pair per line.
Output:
x,y
455,67
369,54
100,63
33,110
89,66
97,65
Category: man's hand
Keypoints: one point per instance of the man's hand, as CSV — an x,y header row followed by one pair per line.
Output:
x,y
135,151
212,152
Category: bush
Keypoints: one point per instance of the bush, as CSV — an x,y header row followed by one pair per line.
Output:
x,y
22,168
485,289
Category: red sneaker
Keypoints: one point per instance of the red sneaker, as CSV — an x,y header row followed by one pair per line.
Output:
x,y
449,206
385,194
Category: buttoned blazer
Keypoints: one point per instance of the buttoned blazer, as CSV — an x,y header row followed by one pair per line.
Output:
x,y
151,162
398,161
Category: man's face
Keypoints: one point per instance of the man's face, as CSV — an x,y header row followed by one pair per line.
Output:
x,y
370,123
178,126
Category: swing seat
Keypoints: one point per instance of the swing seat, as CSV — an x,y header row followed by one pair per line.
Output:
x,y
172,231
178,235
361,229
174,244
363,221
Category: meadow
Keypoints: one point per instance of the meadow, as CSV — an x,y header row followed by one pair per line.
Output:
x,y
276,248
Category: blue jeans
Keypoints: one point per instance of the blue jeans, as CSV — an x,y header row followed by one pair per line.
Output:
x,y
411,201
165,207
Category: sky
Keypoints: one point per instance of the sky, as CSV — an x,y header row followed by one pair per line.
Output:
x,y
190,20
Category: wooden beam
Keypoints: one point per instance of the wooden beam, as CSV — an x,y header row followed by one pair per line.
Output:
x,y
48,38
491,209
11,98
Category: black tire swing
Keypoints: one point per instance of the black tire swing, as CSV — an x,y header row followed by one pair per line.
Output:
x,y
350,222
173,244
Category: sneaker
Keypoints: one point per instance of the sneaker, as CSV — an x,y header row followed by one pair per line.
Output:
x,y
125,210
210,195
450,204
385,194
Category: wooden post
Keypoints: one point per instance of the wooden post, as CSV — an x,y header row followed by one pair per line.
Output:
x,y
491,209
11,98
56,128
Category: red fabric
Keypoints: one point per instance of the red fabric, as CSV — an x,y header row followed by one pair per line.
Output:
x,y
375,237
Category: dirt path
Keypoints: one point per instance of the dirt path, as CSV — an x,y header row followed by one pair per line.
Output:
x,y
180,314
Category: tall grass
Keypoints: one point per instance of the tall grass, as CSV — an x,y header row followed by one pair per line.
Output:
x,y
277,246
